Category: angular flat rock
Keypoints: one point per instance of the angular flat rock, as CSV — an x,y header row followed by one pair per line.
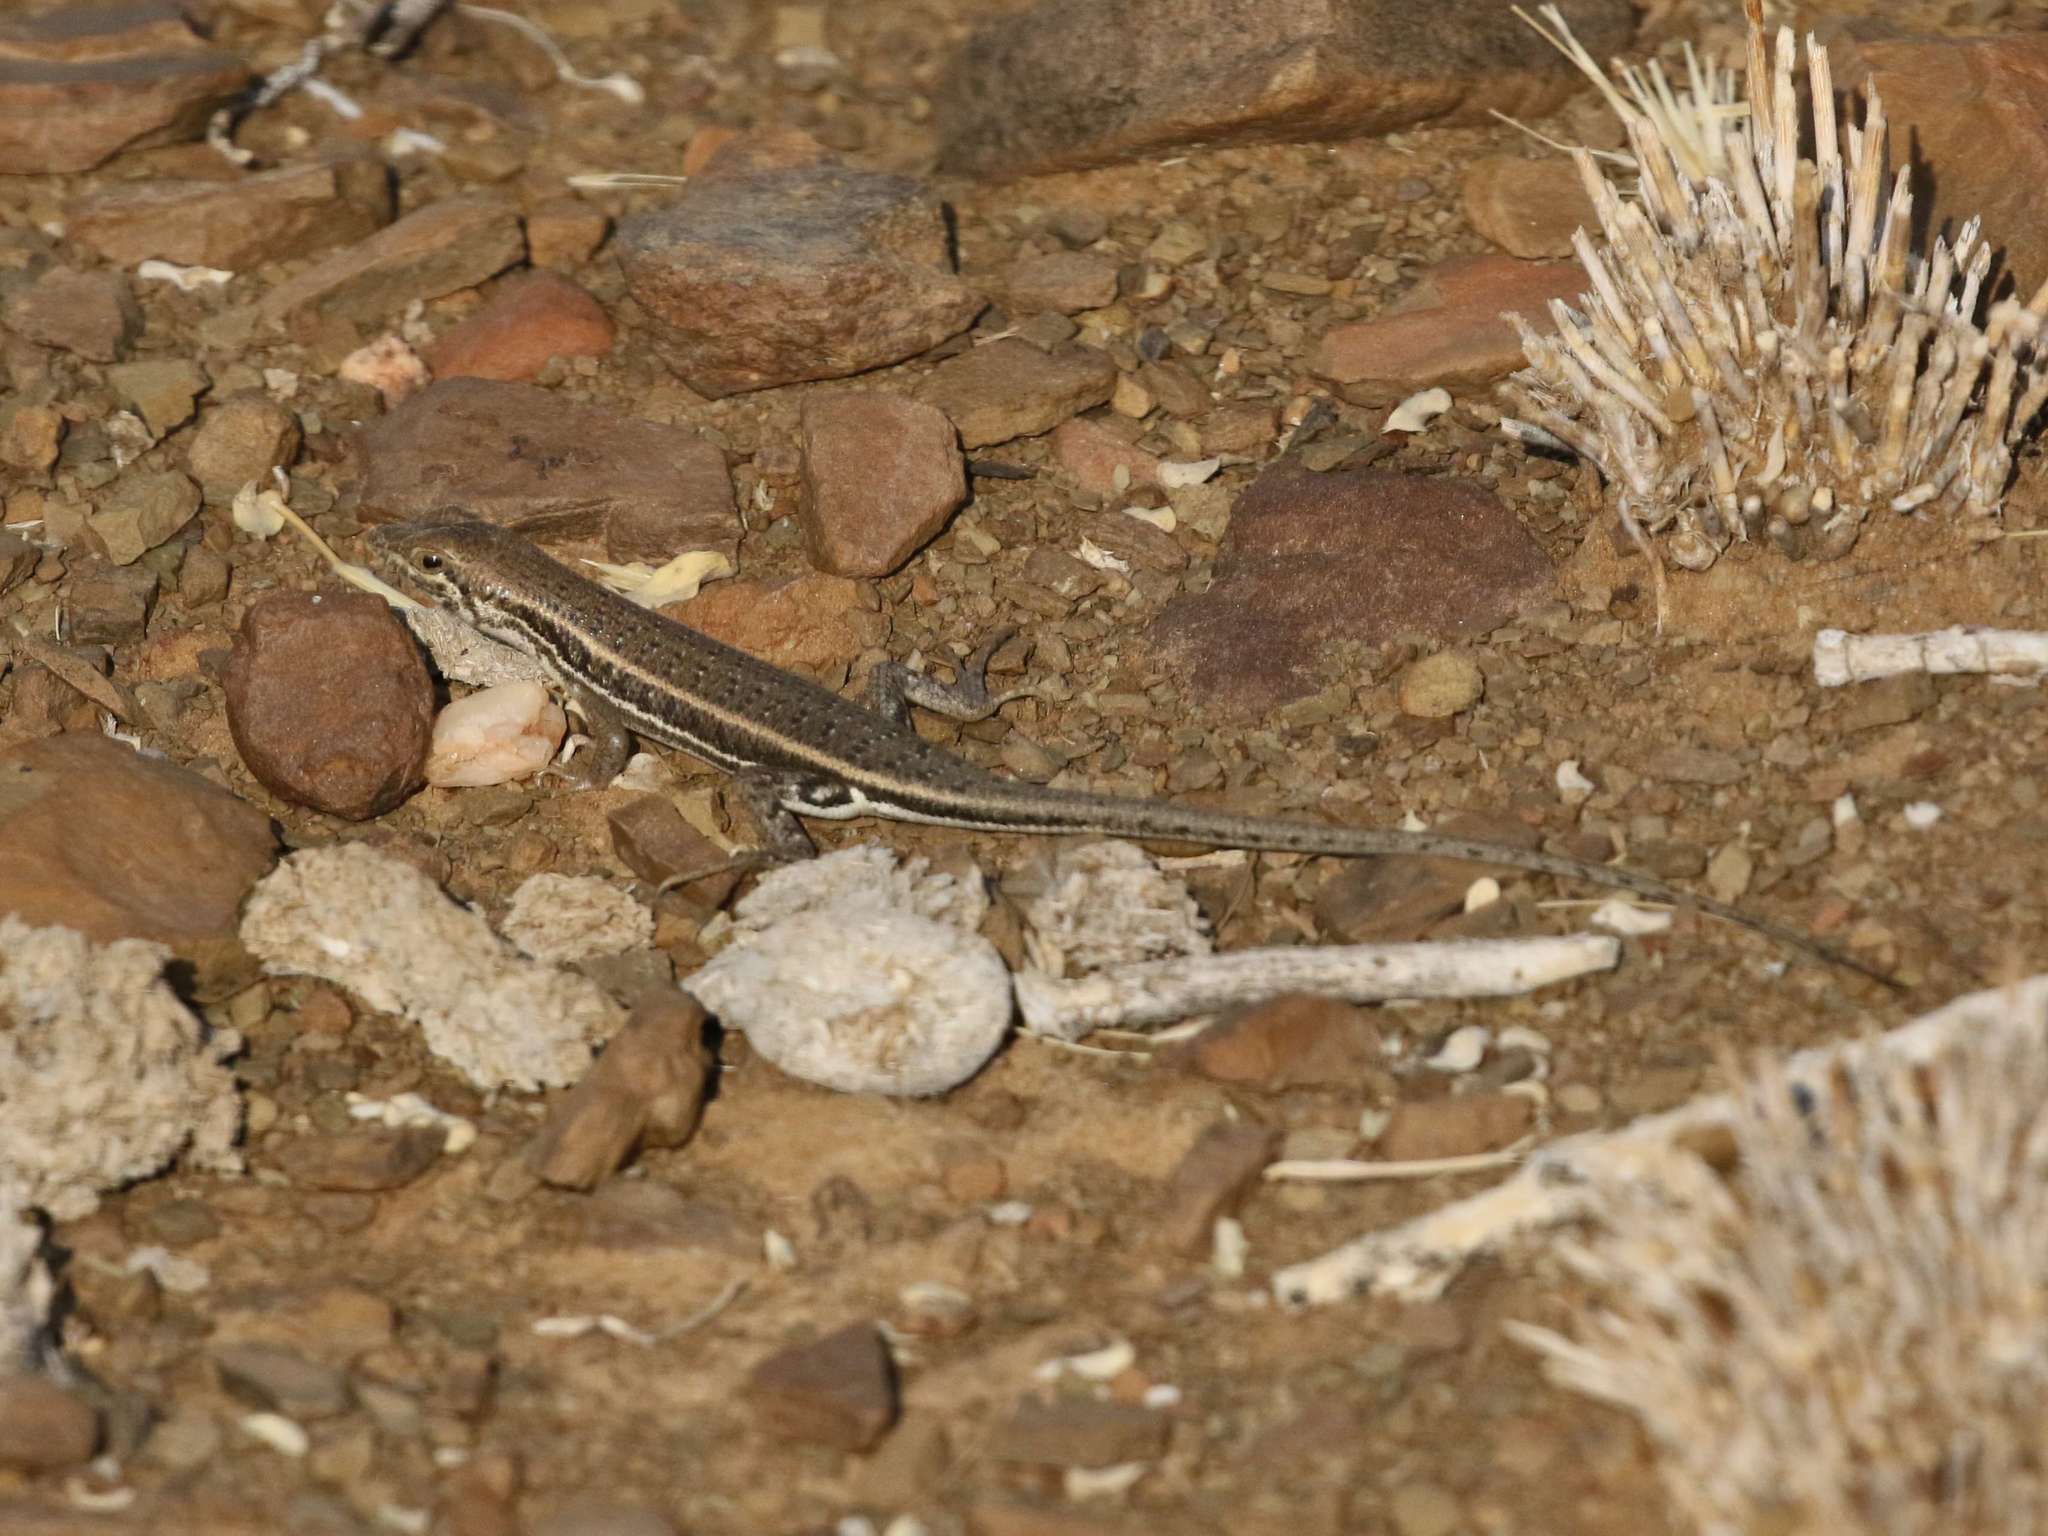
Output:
x,y
300,210
455,243
116,845
1009,388
525,458
1529,208
881,476
771,274
528,320
81,84
1068,84
1315,562
90,313
1447,329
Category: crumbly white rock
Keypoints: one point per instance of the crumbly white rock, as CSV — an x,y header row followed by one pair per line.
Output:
x,y
564,918
867,874
26,1289
1091,906
104,1075
1763,355
375,925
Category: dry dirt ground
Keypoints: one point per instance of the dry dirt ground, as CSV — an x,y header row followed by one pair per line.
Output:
x,y
1358,1418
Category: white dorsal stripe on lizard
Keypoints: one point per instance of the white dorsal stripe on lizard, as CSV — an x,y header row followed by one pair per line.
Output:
x,y
799,750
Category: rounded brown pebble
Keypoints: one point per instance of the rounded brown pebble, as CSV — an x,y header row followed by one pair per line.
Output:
x,y
329,702
881,474
43,1427
241,440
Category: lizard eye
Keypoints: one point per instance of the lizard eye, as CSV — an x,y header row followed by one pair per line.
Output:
x,y
430,561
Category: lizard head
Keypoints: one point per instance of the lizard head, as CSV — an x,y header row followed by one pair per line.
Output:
x,y
458,560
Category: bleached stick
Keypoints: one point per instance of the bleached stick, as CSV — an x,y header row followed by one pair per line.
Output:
x,y
1560,1182
1840,658
1166,991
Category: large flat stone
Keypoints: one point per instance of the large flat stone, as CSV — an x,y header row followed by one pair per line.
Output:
x,y
455,243
300,210
1314,563
1068,84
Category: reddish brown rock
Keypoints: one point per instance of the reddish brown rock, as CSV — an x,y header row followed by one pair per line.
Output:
x,y
1291,1042
523,457
44,1428
1065,282
1529,208
90,313
109,604
300,210
30,435
1970,115
527,321
141,510
1376,901
881,474
839,1391
329,702
240,439
1459,1127
1447,329
565,232
1211,1180
769,276
80,84
1009,388
1067,84
1090,455
450,243
1312,562
804,623
120,846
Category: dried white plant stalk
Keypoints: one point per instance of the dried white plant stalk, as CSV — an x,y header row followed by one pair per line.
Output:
x,y
1849,1333
1761,355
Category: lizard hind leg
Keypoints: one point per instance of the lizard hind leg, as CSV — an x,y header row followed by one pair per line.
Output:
x,y
893,687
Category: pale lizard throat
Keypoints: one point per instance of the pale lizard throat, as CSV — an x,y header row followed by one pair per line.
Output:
x,y
830,757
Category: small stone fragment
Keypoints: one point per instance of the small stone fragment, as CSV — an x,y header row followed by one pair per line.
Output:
x,y
1091,456
1068,84
1177,389
602,1517
881,474
450,243
240,439
362,1161
110,604
1065,283
839,1391
1009,389
1888,701
1440,686
269,1376
1081,1432
1529,208
235,225
1397,900
1313,561
30,435
1291,1042
646,1090
80,84
90,313
800,624
161,389
654,841
1424,1509
1447,329
330,703
527,321
763,275
1212,1179
524,458
565,233
44,1428
1454,1127
141,510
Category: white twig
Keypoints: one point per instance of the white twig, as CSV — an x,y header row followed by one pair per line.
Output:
x,y
1417,1259
1840,657
1167,991
1358,1170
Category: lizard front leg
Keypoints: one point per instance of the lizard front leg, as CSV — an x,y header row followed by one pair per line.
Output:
x,y
607,746
893,688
